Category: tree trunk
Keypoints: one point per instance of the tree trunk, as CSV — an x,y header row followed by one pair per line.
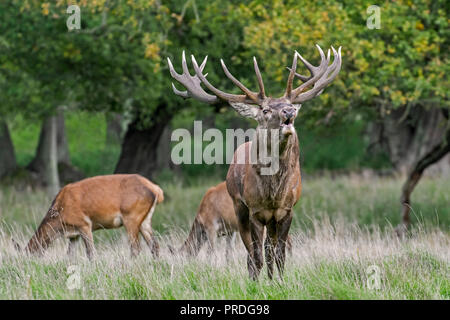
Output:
x,y
67,172
163,160
114,129
45,162
7,157
438,152
63,146
139,147
406,139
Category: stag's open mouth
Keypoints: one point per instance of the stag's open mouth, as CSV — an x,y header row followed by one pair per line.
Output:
x,y
287,122
287,127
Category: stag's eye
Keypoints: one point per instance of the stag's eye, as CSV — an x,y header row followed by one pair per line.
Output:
x,y
266,111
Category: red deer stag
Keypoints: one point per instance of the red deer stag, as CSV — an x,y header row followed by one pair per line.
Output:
x,y
260,196
102,202
215,218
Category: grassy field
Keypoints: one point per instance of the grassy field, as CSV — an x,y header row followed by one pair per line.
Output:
x,y
342,235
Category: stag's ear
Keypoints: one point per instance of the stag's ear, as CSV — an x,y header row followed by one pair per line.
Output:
x,y
246,110
297,106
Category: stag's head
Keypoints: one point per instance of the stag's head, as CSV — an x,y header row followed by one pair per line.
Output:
x,y
270,113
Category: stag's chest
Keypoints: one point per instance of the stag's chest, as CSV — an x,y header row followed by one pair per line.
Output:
x,y
270,193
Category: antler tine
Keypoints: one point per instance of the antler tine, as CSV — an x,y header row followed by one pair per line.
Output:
x,y
311,68
336,65
222,95
252,95
183,94
333,69
324,80
184,64
300,76
316,73
191,83
202,66
262,93
290,81
173,73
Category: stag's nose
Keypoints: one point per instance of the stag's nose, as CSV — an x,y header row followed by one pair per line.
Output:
x,y
288,112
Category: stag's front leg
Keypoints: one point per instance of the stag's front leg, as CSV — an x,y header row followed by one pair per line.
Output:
x,y
282,230
242,214
256,262
269,244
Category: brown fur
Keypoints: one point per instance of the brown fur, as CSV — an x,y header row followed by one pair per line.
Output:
x,y
265,202
215,217
102,202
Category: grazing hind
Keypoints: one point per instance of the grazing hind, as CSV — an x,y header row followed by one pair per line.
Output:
x,y
102,202
215,218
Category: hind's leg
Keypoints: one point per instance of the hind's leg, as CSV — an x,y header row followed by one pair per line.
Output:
x,y
231,241
133,236
211,235
88,239
72,243
147,232
289,245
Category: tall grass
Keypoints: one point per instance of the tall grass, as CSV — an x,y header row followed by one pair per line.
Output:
x,y
341,228
333,263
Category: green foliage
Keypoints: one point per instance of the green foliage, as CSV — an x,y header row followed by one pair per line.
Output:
x,y
119,53
116,62
404,62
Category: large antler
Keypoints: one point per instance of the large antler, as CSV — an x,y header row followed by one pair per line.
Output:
x,y
192,83
194,89
320,77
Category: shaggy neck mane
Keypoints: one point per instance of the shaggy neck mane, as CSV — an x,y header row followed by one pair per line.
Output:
x,y
272,185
